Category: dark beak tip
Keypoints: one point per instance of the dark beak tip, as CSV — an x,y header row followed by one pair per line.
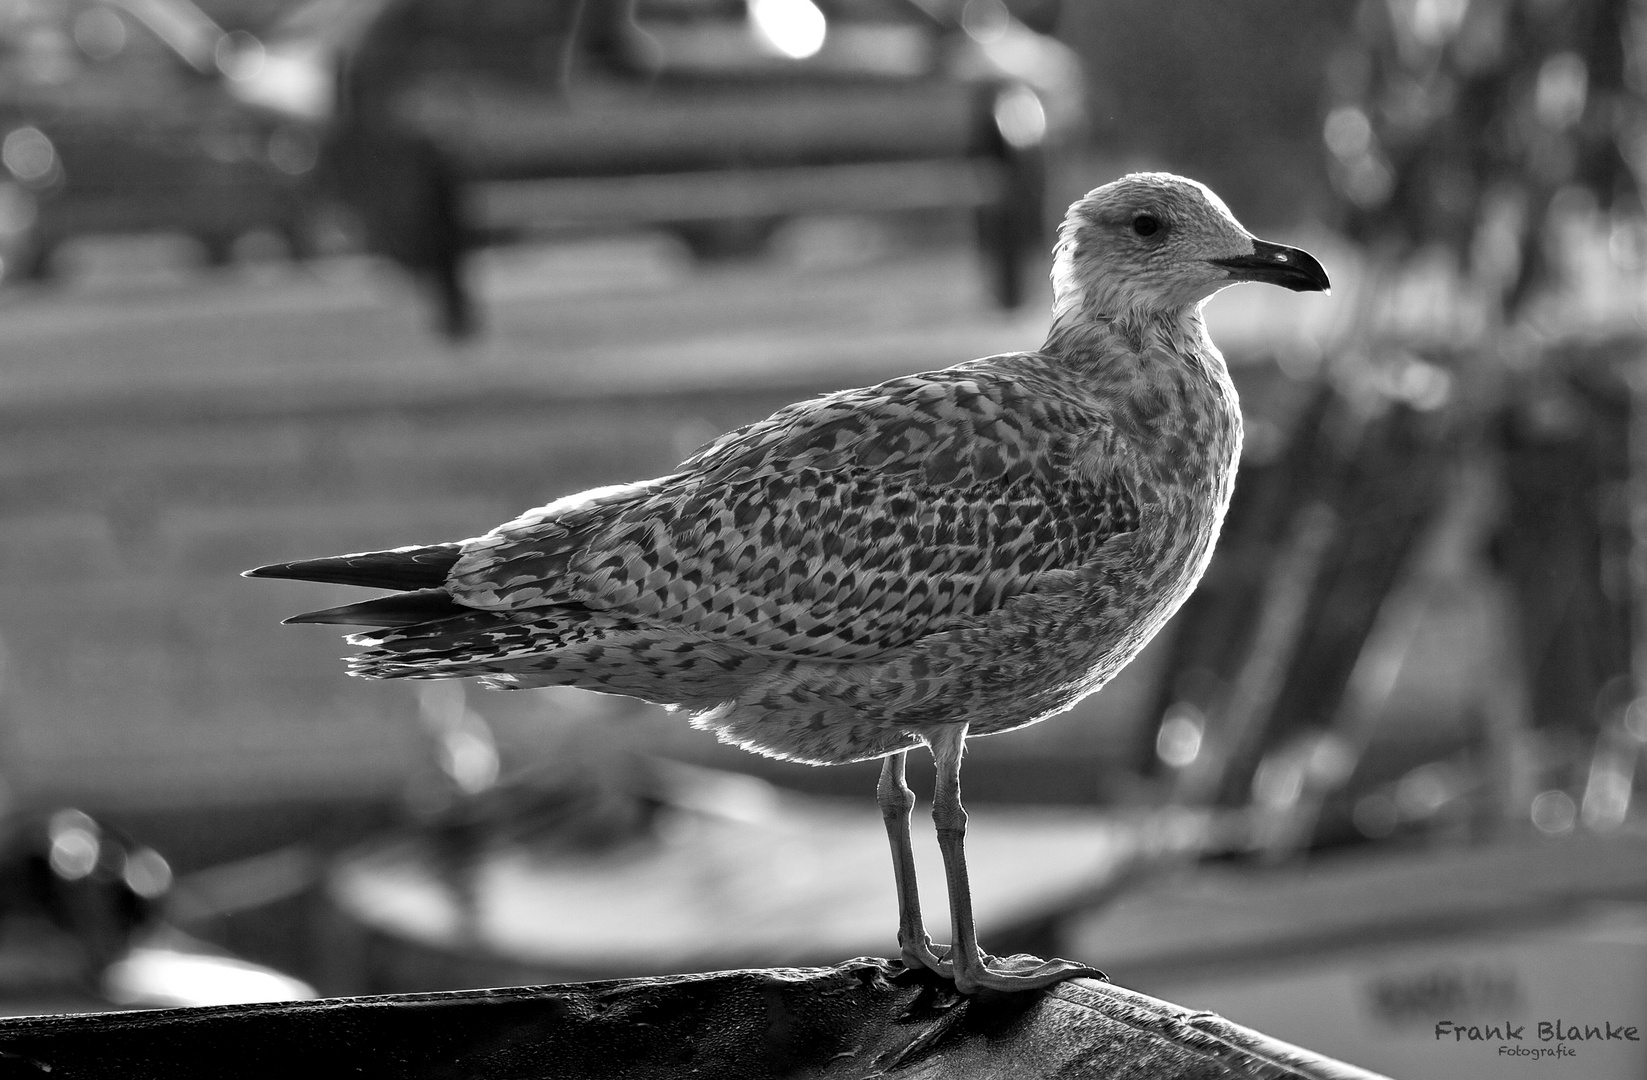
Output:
x,y
1274,264
1312,266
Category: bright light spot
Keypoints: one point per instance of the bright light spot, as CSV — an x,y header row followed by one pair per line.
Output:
x,y
1368,181
100,33
1330,761
1424,791
1347,132
1563,86
1360,172
1178,741
1434,21
470,758
147,873
795,28
239,55
985,21
298,83
1422,385
465,748
28,154
1279,782
1019,117
167,977
1553,813
1606,800
74,844
1635,718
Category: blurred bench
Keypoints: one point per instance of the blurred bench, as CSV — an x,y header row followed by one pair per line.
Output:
x,y
438,148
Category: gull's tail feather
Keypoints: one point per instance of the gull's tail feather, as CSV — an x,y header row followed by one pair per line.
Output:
x,y
400,609
472,643
421,566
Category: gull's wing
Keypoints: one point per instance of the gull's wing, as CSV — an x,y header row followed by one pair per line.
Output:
x,y
836,529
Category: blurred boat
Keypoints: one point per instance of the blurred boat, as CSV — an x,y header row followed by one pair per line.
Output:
x,y
83,927
720,871
1377,957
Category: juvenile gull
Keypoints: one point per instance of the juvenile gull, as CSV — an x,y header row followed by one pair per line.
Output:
x,y
950,554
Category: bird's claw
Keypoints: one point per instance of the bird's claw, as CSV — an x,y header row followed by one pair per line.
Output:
x,y
921,953
1013,974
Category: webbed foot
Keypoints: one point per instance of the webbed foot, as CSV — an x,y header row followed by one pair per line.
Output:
x,y
923,954
1012,974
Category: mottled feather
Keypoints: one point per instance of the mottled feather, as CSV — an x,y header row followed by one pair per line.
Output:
x,y
984,544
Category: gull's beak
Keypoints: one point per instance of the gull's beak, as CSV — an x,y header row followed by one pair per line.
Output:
x,y
1290,268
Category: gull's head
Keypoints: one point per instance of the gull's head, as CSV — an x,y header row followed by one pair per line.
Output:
x,y
1155,243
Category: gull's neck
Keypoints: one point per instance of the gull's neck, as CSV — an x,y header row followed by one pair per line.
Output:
x,y
1082,330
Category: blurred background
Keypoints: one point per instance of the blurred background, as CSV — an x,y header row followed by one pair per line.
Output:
x,y
283,278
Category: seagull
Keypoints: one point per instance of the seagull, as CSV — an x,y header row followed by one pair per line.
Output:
x,y
941,556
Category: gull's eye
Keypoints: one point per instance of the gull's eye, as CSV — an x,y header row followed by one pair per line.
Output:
x,y
1146,225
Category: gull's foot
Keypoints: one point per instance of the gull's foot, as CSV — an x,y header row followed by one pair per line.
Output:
x,y
1012,974
923,954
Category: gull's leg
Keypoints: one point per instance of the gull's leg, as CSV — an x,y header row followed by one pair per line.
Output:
x,y
896,803
972,969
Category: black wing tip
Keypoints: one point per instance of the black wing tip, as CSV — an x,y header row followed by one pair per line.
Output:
x,y
399,609
414,567
306,617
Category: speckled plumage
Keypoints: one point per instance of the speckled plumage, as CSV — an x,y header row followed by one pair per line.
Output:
x,y
950,554
984,544
990,541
